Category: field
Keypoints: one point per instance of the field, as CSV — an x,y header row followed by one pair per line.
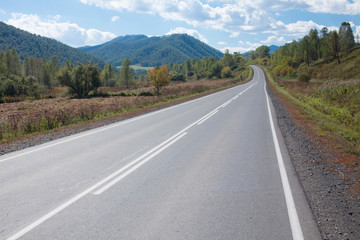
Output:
x,y
33,116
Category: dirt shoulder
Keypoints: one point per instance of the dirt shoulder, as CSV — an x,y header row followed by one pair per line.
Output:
x,y
331,189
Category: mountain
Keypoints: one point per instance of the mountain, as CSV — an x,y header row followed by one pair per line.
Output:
x,y
152,51
28,44
273,48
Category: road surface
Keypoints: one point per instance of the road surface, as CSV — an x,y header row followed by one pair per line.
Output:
x,y
212,168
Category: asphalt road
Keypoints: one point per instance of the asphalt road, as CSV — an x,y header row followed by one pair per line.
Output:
x,y
211,168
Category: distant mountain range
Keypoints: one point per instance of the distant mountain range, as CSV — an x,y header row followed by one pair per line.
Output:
x,y
28,44
152,51
139,49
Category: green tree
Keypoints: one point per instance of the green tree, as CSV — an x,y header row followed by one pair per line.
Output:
x,y
107,76
314,47
306,49
334,45
346,37
227,60
188,70
45,75
262,51
81,79
126,73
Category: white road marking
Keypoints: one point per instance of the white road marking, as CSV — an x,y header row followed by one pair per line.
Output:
x,y
148,156
128,172
208,116
290,204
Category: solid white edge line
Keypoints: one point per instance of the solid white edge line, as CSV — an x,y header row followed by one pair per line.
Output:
x,y
290,204
128,172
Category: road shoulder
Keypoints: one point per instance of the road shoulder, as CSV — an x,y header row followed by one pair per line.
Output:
x,y
336,212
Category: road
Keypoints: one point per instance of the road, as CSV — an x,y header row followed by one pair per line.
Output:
x,y
212,168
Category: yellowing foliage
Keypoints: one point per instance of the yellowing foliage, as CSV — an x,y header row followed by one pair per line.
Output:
x,y
159,77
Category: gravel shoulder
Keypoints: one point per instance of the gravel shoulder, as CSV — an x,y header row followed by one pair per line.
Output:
x,y
336,210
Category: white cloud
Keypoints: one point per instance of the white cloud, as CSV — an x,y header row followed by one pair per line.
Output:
x,y
297,29
68,33
222,43
231,16
273,40
191,32
357,33
115,18
2,11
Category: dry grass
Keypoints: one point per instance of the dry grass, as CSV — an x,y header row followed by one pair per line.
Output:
x,y
26,117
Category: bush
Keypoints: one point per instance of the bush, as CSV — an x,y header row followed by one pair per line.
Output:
x,y
303,77
226,73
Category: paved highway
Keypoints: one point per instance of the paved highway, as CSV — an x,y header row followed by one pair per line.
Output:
x,y
211,168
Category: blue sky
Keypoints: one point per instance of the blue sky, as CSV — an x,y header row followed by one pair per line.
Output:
x,y
224,24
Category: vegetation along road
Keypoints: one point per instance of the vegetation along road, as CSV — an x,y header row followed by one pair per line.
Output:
x,y
212,168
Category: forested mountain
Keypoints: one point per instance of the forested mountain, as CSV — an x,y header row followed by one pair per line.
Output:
x,y
32,45
153,51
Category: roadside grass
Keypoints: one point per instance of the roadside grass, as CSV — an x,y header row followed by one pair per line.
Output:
x,y
21,119
331,69
334,106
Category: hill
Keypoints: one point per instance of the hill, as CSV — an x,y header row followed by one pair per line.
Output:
x,y
28,44
331,69
152,51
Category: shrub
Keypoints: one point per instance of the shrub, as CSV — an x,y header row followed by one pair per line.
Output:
x,y
303,77
226,73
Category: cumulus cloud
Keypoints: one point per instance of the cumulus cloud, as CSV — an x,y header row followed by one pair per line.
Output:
x,y
222,43
191,32
68,33
274,40
296,29
230,16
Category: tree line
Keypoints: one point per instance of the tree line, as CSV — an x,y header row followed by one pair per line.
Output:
x,y
208,68
312,47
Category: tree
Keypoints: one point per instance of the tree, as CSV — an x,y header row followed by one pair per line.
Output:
x,y
126,72
226,72
107,76
346,37
159,77
187,68
262,51
45,75
314,44
81,79
306,49
227,60
334,45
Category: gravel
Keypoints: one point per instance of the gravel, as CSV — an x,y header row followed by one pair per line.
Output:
x,y
337,214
